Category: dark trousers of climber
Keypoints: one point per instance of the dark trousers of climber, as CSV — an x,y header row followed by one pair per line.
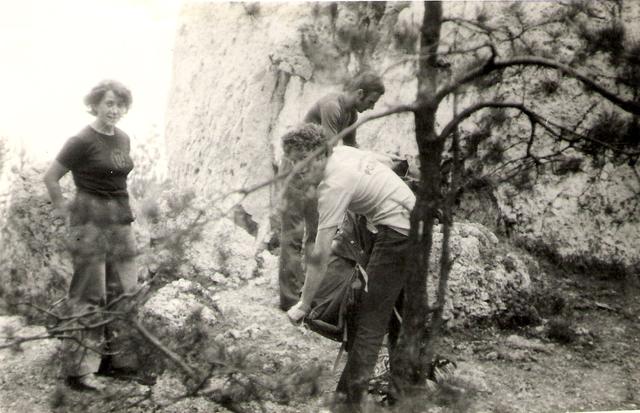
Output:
x,y
299,223
104,268
386,280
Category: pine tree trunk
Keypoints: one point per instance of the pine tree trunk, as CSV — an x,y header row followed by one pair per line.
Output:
x,y
412,363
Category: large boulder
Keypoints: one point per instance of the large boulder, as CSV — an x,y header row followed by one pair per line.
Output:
x,y
224,249
179,314
483,276
219,333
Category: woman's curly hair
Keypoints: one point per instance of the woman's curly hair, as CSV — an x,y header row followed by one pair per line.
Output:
x,y
302,140
96,94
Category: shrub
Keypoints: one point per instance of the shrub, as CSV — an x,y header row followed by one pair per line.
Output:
x,y
520,311
560,330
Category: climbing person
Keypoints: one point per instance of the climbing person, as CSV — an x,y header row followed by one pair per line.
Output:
x,y
334,113
350,179
101,240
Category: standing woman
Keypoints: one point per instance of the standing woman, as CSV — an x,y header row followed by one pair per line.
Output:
x,y
101,240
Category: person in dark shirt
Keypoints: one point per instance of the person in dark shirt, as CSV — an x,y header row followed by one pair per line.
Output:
x,y
101,240
334,113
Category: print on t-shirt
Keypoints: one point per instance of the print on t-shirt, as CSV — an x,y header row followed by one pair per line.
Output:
x,y
119,159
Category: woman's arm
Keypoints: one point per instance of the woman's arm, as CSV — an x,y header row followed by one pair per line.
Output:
x,y
52,181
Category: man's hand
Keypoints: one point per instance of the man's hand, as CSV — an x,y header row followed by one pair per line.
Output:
x,y
62,210
297,313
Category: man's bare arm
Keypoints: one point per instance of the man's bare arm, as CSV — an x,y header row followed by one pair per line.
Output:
x,y
316,268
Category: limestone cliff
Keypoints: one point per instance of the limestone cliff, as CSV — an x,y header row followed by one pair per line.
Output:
x,y
244,73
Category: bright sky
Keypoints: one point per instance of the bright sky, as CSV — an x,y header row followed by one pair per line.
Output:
x,y
52,52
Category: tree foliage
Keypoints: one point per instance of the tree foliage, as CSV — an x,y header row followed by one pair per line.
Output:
x,y
514,70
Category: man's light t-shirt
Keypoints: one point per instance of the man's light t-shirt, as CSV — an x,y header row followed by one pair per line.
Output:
x,y
355,180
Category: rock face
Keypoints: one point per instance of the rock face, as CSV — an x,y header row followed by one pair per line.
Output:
x,y
229,107
224,249
582,220
482,277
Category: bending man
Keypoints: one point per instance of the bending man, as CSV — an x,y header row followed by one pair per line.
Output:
x,y
353,180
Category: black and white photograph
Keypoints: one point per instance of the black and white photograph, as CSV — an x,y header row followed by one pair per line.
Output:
x,y
319,206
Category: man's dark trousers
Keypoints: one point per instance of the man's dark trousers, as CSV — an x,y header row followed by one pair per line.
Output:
x,y
386,280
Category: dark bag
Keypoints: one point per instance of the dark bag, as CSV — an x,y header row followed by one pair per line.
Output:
x,y
336,301
330,316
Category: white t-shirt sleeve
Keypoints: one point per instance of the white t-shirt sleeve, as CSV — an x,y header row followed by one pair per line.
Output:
x,y
333,200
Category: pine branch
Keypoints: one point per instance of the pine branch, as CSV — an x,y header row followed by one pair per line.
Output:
x,y
496,65
560,132
424,56
57,333
153,340
472,25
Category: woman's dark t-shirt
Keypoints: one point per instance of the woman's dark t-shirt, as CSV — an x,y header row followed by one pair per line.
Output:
x,y
99,164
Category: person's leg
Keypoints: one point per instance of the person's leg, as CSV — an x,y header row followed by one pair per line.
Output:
x,y
395,324
292,227
353,243
121,278
87,292
290,271
386,280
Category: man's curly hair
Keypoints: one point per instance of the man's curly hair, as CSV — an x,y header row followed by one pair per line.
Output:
x,y
302,140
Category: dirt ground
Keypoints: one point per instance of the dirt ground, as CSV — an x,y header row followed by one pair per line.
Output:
x,y
599,370
521,370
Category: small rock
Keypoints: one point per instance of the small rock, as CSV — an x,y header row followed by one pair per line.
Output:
x,y
514,355
218,278
527,344
582,331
